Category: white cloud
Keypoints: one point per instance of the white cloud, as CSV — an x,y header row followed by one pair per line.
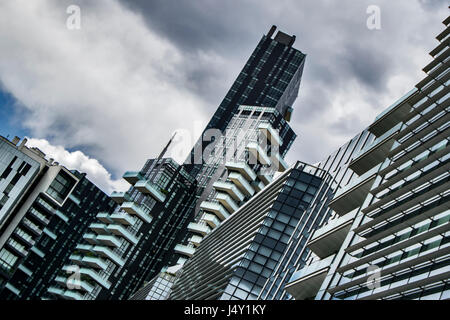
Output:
x,y
81,162
112,89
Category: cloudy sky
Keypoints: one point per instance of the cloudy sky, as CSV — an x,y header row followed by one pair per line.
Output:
x,y
107,96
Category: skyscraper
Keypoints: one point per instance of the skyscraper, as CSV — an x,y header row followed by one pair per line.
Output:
x,y
46,211
390,239
170,201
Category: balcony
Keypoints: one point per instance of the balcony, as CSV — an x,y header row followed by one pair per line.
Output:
x,y
146,187
211,220
184,250
306,282
121,231
376,152
270,133
328,239
392,115
120,197
95,262
353,195
90,237
109,241
108,253
76,258
198,228
260,154
84,248
96,277
241,183
99,228
227,202
123,218
104,217
215,208
132,177
242,168
133,208
196,240
229,188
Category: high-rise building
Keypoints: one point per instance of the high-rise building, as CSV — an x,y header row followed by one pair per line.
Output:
x,y
127,245
46,211
390,239
171,203
236,259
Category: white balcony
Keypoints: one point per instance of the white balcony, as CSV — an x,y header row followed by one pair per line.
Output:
x,y
135,209
95,262
99,228
96,277
90,237
86,248
211,220
103,217
196,240
306,282
108,253
184,250
108,240
123,218
242,168
121,231
227,202
149,188
199,228
328,239
353,195
375,153
132,177
215,208
258,152
72,295
270,133
229,188
120,197
74,283
241,183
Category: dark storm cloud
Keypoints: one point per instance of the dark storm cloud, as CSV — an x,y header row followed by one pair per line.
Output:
x,y
341,51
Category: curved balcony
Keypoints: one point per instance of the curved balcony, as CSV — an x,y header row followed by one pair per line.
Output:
x,y
95,262
108,253
99,228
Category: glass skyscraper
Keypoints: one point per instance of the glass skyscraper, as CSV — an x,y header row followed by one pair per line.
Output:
x,y
390,238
